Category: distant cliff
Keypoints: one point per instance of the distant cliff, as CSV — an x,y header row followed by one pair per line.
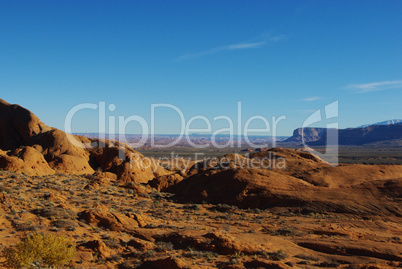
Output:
x,y
350,136
361,136
309,134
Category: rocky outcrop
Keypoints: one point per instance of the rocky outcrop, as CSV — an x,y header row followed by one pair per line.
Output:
x,y
304,183
29,146
108,220
217,242
96,246
27,160
162,183
306,134
166,263
17,126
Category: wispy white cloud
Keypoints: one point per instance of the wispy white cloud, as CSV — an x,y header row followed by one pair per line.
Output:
x,y
277,38
375,86
313,98
244,46
231,47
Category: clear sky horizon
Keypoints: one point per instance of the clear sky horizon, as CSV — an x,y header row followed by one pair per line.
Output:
x,y
278,58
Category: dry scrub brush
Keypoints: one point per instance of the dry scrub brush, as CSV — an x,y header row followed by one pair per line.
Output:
x,y
39,250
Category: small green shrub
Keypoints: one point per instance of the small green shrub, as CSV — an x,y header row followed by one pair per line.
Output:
x,y
39,250
278,255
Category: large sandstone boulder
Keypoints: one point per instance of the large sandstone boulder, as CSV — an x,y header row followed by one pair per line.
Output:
x,y
96,246
25,160
217,242
120,159
61,154
108,220
17,126
162,183
29,146
166,263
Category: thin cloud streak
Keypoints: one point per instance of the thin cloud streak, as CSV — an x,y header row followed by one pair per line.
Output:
x,y
311,99
375,86
244,46
231,47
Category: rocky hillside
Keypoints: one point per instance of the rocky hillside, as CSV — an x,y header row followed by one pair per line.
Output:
x,y
304,183
281,208
29,146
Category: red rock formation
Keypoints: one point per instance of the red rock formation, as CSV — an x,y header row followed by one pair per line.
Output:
x,y
45,150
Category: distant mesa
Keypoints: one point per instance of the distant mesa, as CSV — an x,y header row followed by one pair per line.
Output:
x,y
307,134
350,136
366,135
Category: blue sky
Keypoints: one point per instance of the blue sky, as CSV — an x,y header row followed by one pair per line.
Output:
x,y
277,58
